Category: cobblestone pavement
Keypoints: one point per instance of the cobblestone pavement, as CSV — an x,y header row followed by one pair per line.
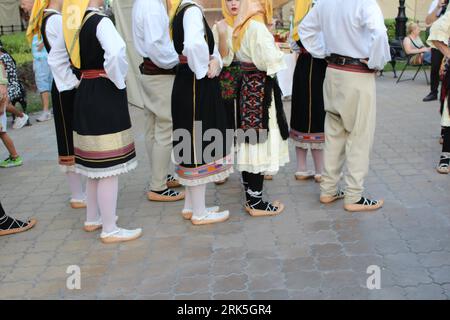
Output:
x,y
309,251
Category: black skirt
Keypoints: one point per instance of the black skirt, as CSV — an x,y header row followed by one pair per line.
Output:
x,y
103,139
197,106
307,113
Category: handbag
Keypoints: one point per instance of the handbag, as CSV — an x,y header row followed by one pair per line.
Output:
x,y
416,59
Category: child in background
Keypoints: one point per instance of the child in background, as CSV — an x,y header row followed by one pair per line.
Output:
x,y
16,92
14,159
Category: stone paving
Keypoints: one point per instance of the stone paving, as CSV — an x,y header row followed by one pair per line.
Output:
x,y
309,251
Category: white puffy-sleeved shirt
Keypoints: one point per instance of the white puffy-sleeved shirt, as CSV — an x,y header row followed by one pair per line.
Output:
x,y
258,47
440,30
58,58
195,47
116,65
228,59
352,28
151,33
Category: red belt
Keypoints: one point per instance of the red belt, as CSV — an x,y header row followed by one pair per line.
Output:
x,y
303,51
148,67
351,68
248,66
93,74
184,60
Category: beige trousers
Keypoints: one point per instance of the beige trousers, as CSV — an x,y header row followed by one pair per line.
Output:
x,y
350,105
157,96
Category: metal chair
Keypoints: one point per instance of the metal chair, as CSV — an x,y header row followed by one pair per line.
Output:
x,y
418,66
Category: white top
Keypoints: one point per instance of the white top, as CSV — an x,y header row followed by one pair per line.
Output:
x,y
195,47
58,58
151,33
433,6
353,28
258,47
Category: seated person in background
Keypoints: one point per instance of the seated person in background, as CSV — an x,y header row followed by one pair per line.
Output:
x,y
413,45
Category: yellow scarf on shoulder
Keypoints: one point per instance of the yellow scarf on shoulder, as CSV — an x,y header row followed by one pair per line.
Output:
x,y
35,23
302,8
72,15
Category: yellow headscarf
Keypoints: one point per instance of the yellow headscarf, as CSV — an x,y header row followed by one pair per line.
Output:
x,y
172,6
258,10
72,15
302,8
229,18
37,13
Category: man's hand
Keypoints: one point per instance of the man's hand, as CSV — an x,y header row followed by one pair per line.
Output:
x,y
213,68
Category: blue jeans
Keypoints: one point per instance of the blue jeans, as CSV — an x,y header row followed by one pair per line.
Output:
x,y
427,57
42,75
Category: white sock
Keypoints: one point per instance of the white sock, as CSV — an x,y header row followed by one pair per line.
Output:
x,y
75,185
187,199
301,159
318,160
92,214
198,201
107,192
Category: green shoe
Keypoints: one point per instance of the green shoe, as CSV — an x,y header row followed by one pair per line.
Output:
x,y
10,162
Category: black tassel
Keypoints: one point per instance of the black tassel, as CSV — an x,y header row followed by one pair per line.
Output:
x,y
281,116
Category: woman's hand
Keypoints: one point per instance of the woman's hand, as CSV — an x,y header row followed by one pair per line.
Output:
x,y
222,27
213,68
425,49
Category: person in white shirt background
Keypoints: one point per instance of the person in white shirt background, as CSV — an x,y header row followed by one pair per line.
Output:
x,y
152,41
437,8
352,36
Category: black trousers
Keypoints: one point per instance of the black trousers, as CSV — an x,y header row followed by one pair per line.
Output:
x,y
446,136
436,60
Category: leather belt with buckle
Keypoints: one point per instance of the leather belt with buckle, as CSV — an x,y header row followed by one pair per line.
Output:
x,y
342,60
